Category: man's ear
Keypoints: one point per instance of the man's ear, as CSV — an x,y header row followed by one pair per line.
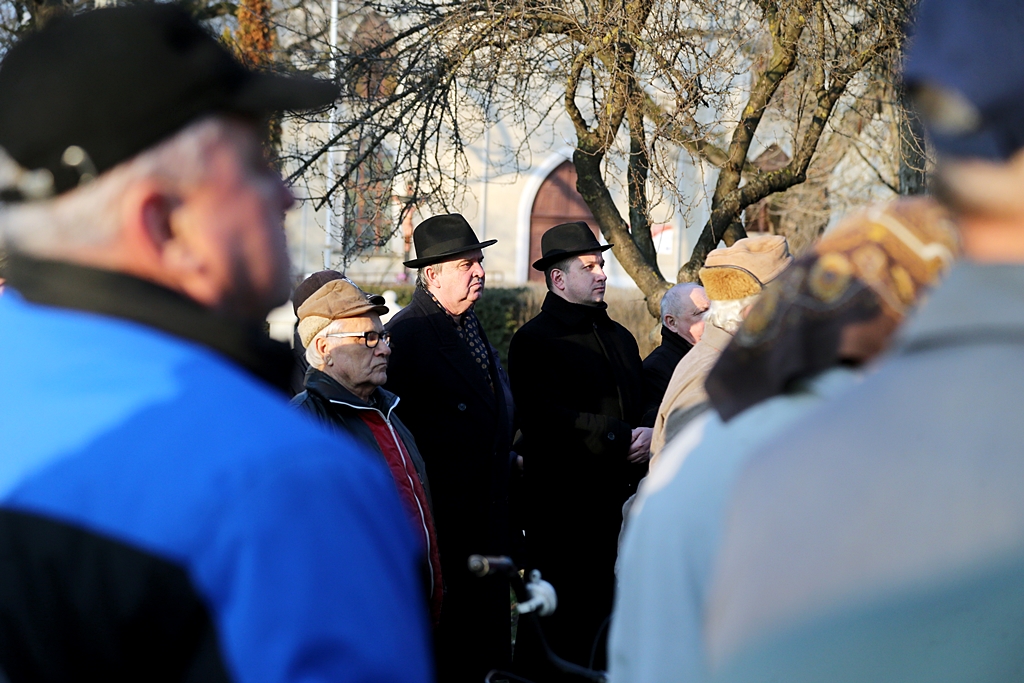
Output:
x,y
159,249
671,323
558,279
320,343
146,224
431,272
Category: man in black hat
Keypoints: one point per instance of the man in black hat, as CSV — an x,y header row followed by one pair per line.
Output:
x,y
577,379
164,514
456,401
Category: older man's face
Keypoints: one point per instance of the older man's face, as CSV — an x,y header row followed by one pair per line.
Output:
x,y
234,223
358,368
688,320
460,282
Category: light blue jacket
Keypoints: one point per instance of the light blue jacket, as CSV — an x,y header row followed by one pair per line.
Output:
x,y
673,534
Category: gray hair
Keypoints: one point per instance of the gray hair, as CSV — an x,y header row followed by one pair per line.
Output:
x,y
421,274
90,215
728,314
313,356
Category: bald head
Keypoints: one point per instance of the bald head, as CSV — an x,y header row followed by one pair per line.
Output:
x,y
682,310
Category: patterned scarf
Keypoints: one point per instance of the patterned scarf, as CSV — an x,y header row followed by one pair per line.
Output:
x,y
467,326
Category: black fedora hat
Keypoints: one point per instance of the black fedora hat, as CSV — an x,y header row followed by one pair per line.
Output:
x,y
565,240
440,237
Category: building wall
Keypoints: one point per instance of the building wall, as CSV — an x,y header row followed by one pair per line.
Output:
x,y
497,200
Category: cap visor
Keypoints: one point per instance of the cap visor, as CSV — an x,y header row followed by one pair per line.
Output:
x,y
266,93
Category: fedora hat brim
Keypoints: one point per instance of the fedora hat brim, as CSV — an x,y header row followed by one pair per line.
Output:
x,y
542,264
437,258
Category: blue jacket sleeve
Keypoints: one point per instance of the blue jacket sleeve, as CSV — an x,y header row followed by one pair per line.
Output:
x,y
316,576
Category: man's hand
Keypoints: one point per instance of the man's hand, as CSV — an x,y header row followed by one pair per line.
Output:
x,y
640,445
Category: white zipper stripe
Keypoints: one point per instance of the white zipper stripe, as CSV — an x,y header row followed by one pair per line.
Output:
x,y
405,467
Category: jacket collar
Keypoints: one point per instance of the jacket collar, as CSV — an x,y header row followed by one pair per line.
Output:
x,y
975,303
329,388
575,315
674,342
454,350
66,285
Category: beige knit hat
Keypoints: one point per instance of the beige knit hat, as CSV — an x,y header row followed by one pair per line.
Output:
x,y
744,269
336,299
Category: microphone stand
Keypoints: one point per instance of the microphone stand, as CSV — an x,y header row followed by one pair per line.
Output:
x,y
536,597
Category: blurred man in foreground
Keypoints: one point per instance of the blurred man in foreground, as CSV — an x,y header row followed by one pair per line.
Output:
x,y
456,402
807,340
882,537
577,376
164,514
682,323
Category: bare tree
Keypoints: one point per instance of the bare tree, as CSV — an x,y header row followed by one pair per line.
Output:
x,y
642,81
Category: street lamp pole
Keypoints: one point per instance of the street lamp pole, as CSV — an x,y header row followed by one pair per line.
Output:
x,y
332,131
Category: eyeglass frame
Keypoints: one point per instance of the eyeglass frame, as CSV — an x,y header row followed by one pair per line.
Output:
x,y
384,336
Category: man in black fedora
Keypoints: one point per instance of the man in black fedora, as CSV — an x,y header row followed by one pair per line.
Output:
x,y
577,379
456,401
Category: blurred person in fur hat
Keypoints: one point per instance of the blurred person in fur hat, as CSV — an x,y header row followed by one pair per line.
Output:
x,y
807,340
881,537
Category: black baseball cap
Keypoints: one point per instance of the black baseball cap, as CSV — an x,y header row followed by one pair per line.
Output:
x,y
90,91
965,67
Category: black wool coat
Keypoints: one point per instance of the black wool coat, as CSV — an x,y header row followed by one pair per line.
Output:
x,y
662,362
464,431
578,384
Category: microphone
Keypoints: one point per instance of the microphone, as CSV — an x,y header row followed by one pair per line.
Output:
x,y
484,565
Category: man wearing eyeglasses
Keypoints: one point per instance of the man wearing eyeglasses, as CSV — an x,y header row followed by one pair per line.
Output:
x,y
347,350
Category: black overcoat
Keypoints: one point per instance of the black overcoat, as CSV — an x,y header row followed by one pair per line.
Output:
x,y
464,430
578,384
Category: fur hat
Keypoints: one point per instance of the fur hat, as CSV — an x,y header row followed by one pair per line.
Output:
x,y
744,269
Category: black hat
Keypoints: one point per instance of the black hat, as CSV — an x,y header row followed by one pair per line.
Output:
x,y
965,67
90,91
440,237
565,240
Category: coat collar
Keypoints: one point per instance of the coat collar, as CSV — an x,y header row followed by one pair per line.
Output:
x,y
66,285
674,342
330,389
975,303
454,349
575,315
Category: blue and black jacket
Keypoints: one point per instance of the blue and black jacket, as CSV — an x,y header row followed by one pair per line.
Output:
x,y
165,516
